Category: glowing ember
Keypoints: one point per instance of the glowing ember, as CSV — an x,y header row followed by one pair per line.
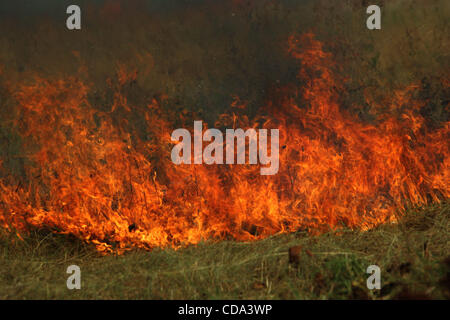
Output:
x,y
92,177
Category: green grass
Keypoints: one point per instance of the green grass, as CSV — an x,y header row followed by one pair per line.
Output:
x,y
412,255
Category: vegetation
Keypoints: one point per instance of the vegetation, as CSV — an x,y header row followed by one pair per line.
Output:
x,y
412,254
200,57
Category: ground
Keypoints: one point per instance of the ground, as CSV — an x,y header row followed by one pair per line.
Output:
x,y
413,256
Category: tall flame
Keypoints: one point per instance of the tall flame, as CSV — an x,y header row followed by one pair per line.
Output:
x,y
92,176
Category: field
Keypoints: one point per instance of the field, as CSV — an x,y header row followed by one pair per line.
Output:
x,y
85,178
413,256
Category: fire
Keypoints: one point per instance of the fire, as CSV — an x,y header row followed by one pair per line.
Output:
x,y
91,175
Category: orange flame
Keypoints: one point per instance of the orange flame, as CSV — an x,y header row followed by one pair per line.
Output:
x,y
94,178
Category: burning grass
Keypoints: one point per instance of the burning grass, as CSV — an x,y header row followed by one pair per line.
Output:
x,y
85,135
91,173
411,256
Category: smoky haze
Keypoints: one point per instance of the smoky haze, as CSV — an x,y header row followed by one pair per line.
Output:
x,y
57,7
